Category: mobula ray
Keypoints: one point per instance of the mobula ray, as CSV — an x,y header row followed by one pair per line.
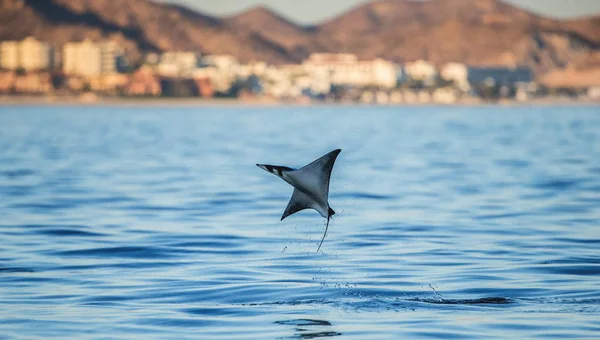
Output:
x,y
311,186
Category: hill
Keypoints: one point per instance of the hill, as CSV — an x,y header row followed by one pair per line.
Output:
x,y
298,41
141,25
479,32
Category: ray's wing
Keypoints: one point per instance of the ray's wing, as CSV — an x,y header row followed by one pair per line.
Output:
x,y
275,169
298,202
313,179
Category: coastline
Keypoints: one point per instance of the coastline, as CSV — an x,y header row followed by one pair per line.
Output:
x,y
202,102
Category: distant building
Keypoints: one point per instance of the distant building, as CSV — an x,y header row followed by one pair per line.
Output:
x,y
382,98
409,96
396,97
179,87
223,71
205,88
143,83
594,92
444,95
421,70
456,73
177,64
29,83
29,55
91,59
423,97
316,85
9,55
346,69
367,97
36,55
7,81
499,76
220,61
152,59
332,58
12,4
246,70
110,83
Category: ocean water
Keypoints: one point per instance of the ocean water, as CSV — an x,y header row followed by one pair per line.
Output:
x,y
154,222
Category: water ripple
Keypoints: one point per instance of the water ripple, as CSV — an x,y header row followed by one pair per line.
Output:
x,y
451,222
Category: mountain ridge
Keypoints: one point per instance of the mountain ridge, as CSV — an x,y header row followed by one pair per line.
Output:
x,y
478,32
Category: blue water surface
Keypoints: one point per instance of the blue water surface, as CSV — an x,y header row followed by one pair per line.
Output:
x,y
154,222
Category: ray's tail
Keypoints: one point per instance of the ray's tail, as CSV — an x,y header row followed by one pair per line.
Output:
x,y
331,213
324,234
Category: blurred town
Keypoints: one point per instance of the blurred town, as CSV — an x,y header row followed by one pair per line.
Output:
x,y
101,67
33,67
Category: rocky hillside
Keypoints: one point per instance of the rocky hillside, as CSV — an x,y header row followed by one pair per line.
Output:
x,y
481,32
298,41
141,24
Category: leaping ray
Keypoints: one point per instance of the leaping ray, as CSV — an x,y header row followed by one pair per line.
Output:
x,y
311,186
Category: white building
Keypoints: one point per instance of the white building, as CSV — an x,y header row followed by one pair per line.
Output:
x,y
304,82
594,92
29,54
177,64
410,97
9,55
457,73
382,97
423,97
220,61
220,81
421,70
222,69
246,70
396,97
444,95
90,59
346,69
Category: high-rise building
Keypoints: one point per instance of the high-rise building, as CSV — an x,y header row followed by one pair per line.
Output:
x,y
9,55
176,64
346,69
29,54
90,59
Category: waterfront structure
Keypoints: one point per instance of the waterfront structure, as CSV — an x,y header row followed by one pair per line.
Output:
x,y
177,64
91,59
33,83
205,88
9,55
422,71
223,71
255,68
396,97
594,92
444,95
456,73
110,83
220,61
29,54
7,80
346,69
143,83
221,80
30,83
500,76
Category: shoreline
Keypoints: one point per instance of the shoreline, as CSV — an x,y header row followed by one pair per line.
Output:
x,y
203,102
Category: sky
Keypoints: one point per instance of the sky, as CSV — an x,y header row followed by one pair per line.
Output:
x,y
315,11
